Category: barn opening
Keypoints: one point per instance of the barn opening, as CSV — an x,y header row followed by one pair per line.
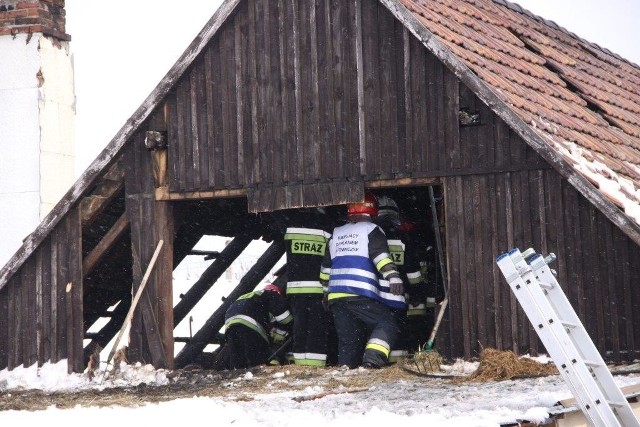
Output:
x,y
222,251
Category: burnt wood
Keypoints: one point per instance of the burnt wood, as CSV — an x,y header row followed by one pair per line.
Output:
x,y
213,324
209,277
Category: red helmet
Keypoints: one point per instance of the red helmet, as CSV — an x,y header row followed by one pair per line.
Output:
x,y
368,207
273,288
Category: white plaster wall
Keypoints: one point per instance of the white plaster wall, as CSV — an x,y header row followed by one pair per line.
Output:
x,y
19,141
37,113
57,121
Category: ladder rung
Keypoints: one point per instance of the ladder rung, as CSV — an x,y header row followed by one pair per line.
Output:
x,y
546,285
616,404
592,364
569,324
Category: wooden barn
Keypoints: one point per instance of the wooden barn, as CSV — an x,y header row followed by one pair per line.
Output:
x,y
528,135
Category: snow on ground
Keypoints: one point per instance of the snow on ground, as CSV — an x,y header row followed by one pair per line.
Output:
x,y
425,401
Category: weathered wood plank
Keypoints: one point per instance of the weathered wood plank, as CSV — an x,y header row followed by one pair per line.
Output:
x,y
497,247
397,150
352,118
183,92
513,303
360,81
297,167
452,130
14,323
158,357
215,151
76,361
163,278
53,327
370,38
62,270
241,112
614,302
470,308
435,110
622,245
287,87
452,188
201,129
388,91
47,306
253,173
5,337
326,104
28,278
39,308
174,151
227,95
193,136
501,290
113,235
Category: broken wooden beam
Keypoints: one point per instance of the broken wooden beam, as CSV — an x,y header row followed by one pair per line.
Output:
x,y
209,277
211,327
112,236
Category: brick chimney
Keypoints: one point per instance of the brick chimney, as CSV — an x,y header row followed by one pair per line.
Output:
x,y
37,116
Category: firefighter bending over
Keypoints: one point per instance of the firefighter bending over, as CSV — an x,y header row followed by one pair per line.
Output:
x,y
248,322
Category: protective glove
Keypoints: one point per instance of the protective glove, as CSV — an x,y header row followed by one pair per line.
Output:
x,y
395,286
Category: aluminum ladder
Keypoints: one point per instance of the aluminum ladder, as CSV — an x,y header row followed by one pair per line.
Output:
x,y
565,338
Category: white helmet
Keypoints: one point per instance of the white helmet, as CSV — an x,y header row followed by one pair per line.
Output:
x,y
388,208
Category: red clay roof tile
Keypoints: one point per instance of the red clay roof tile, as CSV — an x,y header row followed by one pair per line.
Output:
x,y
583,100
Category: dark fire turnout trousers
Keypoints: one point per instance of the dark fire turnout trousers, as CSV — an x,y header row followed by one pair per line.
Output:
x,y
366,331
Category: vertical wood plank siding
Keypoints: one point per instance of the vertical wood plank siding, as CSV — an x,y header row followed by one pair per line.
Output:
x,y
273,105
40,320
602,291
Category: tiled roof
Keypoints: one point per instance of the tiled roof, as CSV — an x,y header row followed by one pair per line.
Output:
x,y
583,100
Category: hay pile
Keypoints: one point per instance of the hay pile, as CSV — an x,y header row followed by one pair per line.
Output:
x,y
505,365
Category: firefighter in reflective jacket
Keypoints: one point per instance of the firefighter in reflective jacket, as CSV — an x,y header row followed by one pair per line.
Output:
x,y
404,252
357,261
248,322
306,242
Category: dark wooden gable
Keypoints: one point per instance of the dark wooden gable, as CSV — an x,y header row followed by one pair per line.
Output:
x,y
301,102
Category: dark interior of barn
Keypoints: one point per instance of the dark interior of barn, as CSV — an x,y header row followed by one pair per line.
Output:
x,y
107,291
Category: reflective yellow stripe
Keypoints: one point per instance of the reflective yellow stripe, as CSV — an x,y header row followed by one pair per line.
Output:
x,y
324,276
377,347
309,237
382,263
335,295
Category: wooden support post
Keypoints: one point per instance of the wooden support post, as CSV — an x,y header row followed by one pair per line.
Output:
x,y
151,335
211,327
134,302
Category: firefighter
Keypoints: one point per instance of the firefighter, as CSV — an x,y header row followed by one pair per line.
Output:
x,y
306,239
354,266
248,322
389,220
